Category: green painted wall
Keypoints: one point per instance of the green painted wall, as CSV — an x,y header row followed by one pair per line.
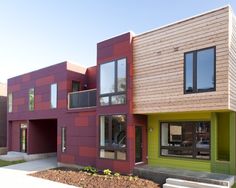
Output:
x,y
223,136
212,165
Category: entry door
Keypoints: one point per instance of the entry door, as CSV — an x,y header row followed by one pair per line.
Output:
x,y
23,138
138,144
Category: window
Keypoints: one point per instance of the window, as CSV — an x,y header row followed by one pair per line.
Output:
x,y
31,99
113,137
75,86
63,139
53,95
186,139
113,82
10,100
199,70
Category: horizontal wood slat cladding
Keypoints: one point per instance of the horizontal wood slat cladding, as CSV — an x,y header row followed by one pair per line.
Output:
x,y
158,65
232,62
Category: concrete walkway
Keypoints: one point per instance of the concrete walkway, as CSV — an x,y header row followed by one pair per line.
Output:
x,y
16,175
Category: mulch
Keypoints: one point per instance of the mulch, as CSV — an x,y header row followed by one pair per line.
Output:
x,y
87,180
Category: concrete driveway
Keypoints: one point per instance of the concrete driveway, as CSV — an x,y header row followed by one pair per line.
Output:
x,y
16,175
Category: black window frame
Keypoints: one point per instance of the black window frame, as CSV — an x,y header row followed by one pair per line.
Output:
x,y
194,148
116,92
195,90
110,147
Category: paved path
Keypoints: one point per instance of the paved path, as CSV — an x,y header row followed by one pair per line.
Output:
x,y
16,175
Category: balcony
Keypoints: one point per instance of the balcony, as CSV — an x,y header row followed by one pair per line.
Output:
x,y
82,99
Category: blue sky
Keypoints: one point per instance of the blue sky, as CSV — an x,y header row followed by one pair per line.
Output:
x,y
39,33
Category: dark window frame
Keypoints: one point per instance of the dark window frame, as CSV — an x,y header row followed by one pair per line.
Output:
x,y
116,92
193,148
195,90
110,147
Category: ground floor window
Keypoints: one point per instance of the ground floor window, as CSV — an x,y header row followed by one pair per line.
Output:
x,y
186,139
113,137
63,139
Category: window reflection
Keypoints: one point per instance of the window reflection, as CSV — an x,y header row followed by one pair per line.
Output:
x,y
186,139
53,95
107,78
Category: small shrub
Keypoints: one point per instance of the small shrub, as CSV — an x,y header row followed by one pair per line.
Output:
x,y
131,178
90,169
117,174
107,172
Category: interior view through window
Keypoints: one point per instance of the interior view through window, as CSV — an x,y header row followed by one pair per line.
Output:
x,y
186,139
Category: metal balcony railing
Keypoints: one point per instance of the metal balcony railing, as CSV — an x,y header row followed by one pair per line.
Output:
x,y
82,99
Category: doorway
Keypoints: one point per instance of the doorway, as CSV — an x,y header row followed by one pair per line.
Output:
x,y
138,144
23,138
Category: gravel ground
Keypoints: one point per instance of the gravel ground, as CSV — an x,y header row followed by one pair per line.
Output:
x,y
86,180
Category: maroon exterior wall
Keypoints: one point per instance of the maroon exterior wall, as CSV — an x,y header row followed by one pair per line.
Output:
x,y
109,50
81,137
3,121
79,123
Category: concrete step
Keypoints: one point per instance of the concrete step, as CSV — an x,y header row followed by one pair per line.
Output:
x,y
160,174
192,184
166,185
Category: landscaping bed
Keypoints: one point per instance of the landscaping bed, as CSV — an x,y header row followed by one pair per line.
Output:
x,y
88,179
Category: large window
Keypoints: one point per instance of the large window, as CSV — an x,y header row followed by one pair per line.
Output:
x,y
53,95
186,139
113,137
113,82
10,100
31,99
199,70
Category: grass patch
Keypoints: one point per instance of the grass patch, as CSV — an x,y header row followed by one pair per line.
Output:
x,y
7,163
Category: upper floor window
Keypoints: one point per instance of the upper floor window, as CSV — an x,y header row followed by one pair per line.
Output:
x,y
31,99
113,82
199,70
54,95
75,86
10,100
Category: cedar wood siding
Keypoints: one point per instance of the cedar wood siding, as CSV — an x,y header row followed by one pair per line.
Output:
x,y
159,65
232,60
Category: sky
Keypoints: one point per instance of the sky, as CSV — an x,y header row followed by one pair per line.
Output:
x,y
39,33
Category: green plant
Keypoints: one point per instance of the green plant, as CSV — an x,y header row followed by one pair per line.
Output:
x,y
106,172
117,174
90,169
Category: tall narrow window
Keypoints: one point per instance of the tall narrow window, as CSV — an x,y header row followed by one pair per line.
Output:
x,y
113,82
53,95
31,99
107,78
63,139
199,71
10,100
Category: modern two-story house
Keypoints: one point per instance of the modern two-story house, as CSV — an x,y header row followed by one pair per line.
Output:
x,y
166,97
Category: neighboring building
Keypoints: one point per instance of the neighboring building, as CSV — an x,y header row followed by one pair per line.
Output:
x,y
166,97
3,115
